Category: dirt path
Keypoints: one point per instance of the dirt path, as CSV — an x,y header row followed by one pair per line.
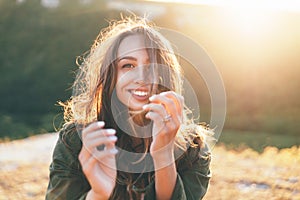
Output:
x,y
33,149
24,167
237,175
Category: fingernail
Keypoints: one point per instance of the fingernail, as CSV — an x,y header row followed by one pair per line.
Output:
x,y
113,138
147,115
152,98
113,151
101,123
144,107
111,131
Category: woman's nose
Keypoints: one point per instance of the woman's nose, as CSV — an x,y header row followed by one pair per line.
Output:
x,y
141,74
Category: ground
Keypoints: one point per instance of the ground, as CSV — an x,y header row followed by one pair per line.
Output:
x,y
236,174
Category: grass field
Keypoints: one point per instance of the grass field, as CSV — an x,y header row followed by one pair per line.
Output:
x,y
242,174
258,140
247,174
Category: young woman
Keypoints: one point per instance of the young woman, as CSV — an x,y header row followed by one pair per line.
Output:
x,y
127,134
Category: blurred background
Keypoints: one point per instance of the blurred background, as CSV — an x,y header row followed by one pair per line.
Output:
x,y
255,47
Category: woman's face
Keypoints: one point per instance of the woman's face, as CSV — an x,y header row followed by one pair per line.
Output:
x,y
133,86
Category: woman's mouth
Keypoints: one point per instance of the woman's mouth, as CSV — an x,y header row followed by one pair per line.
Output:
x,y
140,94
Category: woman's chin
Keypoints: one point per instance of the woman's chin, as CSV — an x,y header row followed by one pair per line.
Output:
x,y
136,105
136,108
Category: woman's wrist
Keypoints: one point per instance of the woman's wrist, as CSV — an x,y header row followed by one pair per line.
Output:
x,y
165,176
92,195
163,157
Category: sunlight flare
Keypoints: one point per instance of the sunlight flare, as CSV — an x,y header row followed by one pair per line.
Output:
x,y
275,5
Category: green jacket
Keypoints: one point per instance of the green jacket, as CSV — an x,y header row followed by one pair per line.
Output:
x,y
67,181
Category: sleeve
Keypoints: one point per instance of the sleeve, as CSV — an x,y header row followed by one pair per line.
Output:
x,y
67,180
192,182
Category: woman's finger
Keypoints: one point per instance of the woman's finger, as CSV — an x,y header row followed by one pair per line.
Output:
x,y
83,155
92,127
89,163
109,146
99,133
163,126
168,103
157,119
91,144
158,108
178,99
100,155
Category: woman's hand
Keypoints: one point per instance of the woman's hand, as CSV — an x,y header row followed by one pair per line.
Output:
x,y
99,166
165,110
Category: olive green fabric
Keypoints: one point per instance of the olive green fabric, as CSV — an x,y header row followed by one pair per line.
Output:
x,y
67,180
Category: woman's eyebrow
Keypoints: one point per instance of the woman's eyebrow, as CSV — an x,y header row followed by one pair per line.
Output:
x,y
127,58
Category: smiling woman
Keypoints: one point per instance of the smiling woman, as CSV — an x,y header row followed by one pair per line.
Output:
x,y
134,87
127,133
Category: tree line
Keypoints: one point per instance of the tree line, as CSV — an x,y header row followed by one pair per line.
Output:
x,y
39,47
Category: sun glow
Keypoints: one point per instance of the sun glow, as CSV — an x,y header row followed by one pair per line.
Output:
x,y
255,19
249,22
275,5
257,32
251,18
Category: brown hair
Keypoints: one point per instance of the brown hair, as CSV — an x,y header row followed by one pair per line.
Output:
x,y
94,86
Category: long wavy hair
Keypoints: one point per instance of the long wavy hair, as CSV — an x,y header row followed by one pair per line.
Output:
x,y
93,91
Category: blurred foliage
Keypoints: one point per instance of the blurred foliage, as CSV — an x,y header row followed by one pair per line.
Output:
x,y
39,47
38,51
257,141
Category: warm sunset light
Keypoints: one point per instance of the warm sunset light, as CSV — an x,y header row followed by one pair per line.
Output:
x,y
286,5
244,50
249,22
253,19
248,19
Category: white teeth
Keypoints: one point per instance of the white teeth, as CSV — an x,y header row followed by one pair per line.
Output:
x,y
140,93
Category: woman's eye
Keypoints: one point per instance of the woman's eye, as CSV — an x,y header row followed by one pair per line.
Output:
x,y
128,66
